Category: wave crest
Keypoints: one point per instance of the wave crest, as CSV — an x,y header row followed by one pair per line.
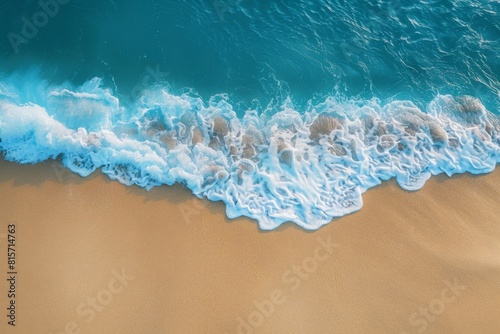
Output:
x,y
289,166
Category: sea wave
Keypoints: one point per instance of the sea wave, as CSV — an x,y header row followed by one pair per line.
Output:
x,y
304,166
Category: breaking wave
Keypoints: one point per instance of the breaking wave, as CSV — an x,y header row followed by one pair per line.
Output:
x,y
305,166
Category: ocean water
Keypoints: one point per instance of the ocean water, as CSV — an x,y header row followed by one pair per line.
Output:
x,y
283,110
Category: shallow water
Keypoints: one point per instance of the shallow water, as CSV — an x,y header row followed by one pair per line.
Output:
x,y
284,111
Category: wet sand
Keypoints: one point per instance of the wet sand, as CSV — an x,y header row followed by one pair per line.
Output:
x,y
94,256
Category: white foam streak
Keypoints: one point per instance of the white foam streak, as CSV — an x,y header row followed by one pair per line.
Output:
x,y
306,168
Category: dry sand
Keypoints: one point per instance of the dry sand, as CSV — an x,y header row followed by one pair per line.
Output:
x,y
427,261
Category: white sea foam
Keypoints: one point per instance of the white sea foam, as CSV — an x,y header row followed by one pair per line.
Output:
x,y
301,167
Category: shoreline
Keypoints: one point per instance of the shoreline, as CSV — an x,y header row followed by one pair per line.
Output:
x,y
186,268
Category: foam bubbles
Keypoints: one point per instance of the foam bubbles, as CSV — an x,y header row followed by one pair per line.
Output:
x,y
288,166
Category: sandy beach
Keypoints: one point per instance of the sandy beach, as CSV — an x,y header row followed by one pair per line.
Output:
x,y
95,256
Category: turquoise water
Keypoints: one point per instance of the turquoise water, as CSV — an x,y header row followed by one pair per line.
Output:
x,y
286,111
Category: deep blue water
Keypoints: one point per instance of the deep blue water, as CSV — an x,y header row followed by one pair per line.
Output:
x,y
284,110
